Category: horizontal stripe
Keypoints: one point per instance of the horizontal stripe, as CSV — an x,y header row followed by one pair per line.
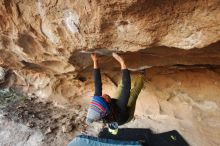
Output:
x,y
103,109
100,100
95,108
99,105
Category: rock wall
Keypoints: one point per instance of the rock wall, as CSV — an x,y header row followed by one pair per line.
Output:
x,y
127,25
40,41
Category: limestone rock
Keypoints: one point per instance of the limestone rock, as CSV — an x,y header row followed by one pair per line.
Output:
x,y
67,128
49,130
2,74
41,40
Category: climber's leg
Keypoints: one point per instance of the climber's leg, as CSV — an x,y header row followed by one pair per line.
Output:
x,y
135,91
117,93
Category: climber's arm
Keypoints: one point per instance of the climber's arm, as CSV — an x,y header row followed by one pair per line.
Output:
x,y
96,76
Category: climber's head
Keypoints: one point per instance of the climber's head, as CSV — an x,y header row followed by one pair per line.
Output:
x,y
98,109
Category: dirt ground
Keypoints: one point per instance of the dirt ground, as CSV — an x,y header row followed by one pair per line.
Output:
x,y
40,121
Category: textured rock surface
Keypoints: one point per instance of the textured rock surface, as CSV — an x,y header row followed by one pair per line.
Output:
x,y
47,32
41,43
17,134
54,26
40,40
2,74
184,99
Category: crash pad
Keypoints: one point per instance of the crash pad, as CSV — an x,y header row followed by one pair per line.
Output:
x,y
146,137
85,140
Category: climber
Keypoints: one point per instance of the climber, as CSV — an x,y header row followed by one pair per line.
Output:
x,y
114,111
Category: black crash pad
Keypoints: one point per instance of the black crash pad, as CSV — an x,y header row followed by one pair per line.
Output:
x,y
146,137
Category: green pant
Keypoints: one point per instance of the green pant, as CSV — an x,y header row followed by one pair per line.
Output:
x,y
136,84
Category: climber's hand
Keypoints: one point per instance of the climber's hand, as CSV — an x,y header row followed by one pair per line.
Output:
x,y
94,57
95,60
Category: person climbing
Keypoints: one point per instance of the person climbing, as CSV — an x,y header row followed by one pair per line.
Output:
x,y
120,109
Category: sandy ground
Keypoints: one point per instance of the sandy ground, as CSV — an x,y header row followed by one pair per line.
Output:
x,y
185,100
31,122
